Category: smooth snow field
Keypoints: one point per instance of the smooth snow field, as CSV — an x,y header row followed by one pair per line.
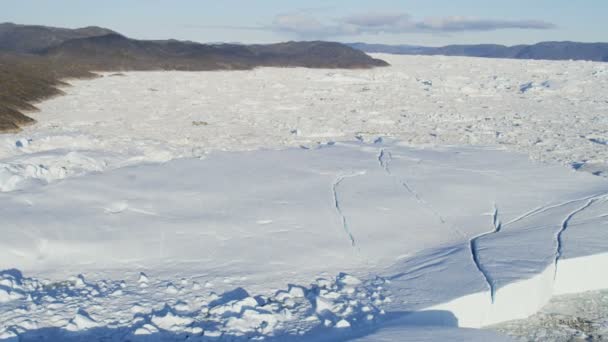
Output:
x,y
418,202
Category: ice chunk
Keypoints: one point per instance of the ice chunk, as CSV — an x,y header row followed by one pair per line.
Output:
x,y
81,321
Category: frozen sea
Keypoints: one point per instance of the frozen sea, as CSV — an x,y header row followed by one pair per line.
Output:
x,y
421,201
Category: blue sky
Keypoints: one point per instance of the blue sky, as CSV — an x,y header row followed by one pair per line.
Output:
x,y
420,22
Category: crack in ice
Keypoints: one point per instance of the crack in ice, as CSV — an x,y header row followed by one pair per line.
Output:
x,y
338,207
545,208
497,227
564,227
422,202
384,159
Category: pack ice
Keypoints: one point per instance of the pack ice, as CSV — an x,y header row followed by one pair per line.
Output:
x,y
551,110
342,241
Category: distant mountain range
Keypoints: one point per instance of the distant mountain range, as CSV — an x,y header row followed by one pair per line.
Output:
x,y
105,49
31,38
545,50
114,51
34,59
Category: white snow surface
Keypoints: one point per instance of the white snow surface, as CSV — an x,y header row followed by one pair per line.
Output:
x,y
408,223
218,206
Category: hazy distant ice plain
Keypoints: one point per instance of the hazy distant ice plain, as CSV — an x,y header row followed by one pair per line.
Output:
x,y
551,111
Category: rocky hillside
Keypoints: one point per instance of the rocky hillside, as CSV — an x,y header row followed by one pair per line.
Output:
x,y
33,38
25,80
114,51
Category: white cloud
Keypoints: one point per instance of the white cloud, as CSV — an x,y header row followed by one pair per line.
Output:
x,y
376,19
474,24
304,24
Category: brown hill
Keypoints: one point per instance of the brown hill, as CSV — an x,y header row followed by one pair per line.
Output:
x,y
32,38
116,52
316,54
24,80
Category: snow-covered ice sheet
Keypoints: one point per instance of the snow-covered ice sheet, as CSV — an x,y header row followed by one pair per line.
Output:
x,y
452,236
